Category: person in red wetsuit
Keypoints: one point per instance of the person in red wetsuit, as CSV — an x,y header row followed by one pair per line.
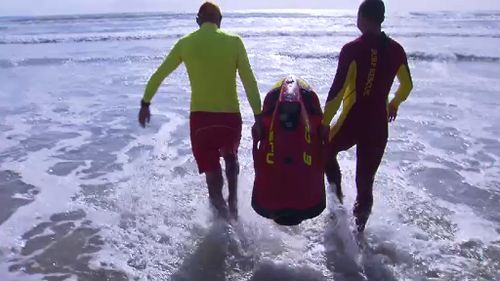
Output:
x,y
366,71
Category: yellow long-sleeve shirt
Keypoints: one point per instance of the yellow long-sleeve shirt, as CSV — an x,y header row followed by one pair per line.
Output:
x,y
212,57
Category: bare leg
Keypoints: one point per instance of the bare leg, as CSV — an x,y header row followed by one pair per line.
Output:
x,y
215,183
232,171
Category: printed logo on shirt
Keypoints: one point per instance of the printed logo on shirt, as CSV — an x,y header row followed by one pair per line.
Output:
x,y
371,74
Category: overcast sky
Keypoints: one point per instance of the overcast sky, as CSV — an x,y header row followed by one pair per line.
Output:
x,y
44,7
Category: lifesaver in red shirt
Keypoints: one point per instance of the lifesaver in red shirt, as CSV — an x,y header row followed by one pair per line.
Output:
x,y
289,175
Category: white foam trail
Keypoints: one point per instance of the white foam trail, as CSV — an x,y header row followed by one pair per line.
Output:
x,y
343,227
53,191
471,226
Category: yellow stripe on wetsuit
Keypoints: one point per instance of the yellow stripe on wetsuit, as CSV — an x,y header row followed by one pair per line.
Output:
x,y
348,98
348,90
405,85
212,58
348,94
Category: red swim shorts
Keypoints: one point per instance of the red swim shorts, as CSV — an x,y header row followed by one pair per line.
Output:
x,y
214,135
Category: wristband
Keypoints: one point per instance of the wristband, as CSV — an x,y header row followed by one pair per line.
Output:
x,y
258,117
145,104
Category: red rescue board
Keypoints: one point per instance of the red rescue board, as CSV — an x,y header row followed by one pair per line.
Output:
x,y
289,174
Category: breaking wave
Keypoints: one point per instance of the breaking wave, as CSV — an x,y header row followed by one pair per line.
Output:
x,y
415,56
246,34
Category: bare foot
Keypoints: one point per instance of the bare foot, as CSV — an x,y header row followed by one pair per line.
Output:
x,y
220,208
233,208
361,220
338,192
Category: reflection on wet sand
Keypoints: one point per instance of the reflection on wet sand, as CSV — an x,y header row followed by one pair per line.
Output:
x,y
63,247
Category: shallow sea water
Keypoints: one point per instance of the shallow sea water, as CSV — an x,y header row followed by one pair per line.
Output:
x,y
86,194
